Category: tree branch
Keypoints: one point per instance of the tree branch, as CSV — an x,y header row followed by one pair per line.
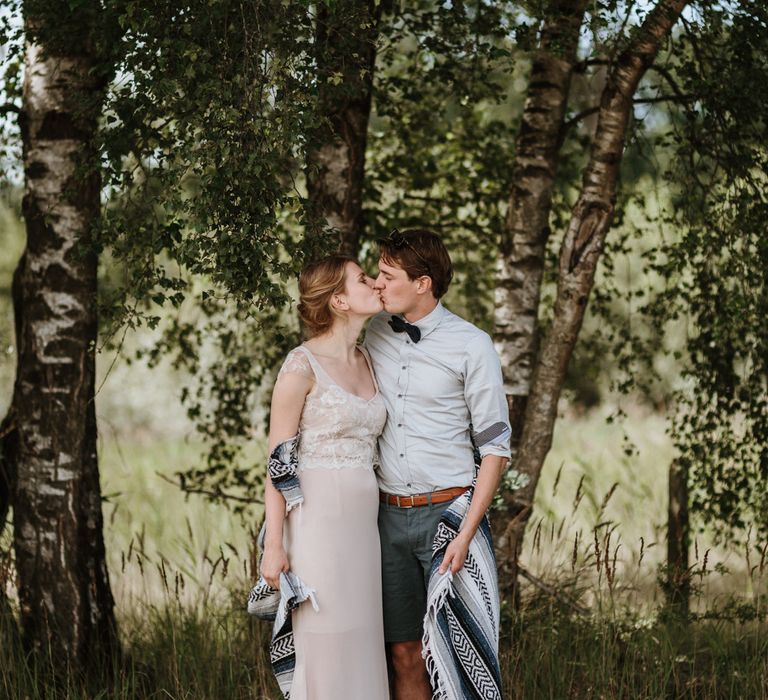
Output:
x,y
581,66
667,75
206,492
663,98
638,101
638,56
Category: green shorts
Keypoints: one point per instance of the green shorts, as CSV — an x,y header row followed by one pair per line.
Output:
x,y
406,555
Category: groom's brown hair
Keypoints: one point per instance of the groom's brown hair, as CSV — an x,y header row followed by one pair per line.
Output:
x,y
420,252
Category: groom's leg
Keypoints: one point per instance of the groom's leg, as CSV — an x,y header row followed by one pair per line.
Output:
x,y
406,549
405,601
410,674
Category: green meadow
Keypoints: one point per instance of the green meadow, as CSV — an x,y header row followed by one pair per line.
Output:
x,y
590,625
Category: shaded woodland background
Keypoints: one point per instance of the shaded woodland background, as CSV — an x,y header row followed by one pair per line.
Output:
x,y
598,172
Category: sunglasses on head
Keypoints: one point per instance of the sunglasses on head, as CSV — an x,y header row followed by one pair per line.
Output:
x,y
395,240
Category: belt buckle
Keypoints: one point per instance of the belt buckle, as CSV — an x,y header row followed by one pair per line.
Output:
x,y
402,505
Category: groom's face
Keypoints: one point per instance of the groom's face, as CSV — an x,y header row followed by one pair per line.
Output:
x,y
398,293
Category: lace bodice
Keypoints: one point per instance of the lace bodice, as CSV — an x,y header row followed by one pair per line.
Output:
x,y
338,429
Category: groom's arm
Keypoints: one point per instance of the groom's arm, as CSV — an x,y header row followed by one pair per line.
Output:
x,y
487,404
488,478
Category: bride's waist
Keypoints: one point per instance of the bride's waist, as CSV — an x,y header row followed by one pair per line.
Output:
x,y
348,446
317,450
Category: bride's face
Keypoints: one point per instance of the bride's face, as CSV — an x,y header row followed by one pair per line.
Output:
x,y
359,292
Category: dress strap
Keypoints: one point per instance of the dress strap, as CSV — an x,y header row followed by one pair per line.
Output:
x,y
317,368
297,363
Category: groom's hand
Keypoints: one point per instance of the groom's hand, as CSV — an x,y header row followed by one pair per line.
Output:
x,y
455,554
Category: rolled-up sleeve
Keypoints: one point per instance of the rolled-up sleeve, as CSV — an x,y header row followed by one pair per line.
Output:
x,y
486,401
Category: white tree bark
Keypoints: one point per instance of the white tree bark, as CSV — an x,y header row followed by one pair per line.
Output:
x,y
579,255
64,592
520,267
521,263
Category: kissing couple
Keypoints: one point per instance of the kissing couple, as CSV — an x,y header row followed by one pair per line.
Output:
x,y
377,562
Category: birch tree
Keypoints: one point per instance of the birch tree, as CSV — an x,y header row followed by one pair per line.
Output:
x,y
521,261
579,254
66,605
345,48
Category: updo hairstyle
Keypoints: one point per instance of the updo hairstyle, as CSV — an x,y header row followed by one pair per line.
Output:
x,y
318,282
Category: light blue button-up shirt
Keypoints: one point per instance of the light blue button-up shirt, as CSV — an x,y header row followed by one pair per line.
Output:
x,y
433,391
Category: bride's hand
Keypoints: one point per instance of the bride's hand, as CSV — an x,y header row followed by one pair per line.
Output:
x,y
274,562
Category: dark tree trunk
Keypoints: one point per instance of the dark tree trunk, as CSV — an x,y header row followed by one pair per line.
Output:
x,y
346,54
66,605
579,255
9,434
524,240
678,582
9,455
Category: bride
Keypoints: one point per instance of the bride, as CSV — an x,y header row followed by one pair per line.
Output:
x,y
326,399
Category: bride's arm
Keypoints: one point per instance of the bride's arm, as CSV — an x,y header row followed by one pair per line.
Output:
x,y
288,399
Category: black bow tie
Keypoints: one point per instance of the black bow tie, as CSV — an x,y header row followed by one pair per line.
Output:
x,y
400,326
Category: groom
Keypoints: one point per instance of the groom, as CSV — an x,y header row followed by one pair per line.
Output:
x,y
439,375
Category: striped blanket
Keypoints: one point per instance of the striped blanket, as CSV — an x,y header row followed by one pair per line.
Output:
x,y
268,603
283,470
461,626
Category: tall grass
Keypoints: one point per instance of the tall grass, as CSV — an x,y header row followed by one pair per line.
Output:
x,y
599,520
170,651
592,622
550,653
173,651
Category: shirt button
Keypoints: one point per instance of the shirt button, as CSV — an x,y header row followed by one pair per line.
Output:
x,y
408,485
407,342
402,455
404,367
399,425
399,396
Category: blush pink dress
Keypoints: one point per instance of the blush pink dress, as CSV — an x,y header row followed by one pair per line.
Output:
x,y
332,541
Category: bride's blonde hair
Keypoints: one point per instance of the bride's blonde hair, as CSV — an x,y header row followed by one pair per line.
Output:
x,y
318,282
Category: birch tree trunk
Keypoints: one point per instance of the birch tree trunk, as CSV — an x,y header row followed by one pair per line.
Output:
x,y
64,591
521,263
578,258
346,54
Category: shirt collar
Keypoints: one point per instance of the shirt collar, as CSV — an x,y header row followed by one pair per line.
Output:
x,y
431,321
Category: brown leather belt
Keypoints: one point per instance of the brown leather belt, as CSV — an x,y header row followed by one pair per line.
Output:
x,y
422,499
